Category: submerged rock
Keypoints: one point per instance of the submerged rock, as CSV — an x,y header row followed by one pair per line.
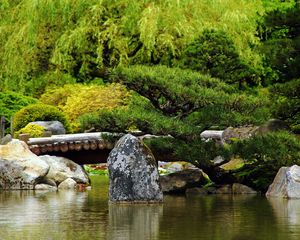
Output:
x,y
45,187
133,172
235,189
286,183
238,188
197,191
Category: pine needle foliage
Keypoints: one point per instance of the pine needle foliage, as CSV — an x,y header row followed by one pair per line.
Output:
x,y
185,94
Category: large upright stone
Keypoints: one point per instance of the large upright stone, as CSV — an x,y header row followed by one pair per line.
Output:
x,y
286,184
133,172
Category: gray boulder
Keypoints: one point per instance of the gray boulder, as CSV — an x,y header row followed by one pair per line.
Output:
x,y
286,183
238,188
63,168
178,182
55,127
235,188
133,172
19,167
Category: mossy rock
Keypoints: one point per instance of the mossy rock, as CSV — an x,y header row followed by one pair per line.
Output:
x,y
233,164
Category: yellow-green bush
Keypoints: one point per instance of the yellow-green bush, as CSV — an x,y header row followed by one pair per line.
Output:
x,y
33,130
77,99
58,96
38,112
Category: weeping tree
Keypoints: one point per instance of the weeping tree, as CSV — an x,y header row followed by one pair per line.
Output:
x,y
57,42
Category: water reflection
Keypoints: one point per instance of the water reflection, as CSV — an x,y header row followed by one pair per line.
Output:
x,y
52,215
218,218
87,215
287,212
134,221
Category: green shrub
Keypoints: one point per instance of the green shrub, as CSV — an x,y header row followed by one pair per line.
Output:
x,y
38,112
11,102
33,130
264,155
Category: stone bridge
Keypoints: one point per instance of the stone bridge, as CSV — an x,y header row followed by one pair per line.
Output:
x,y
82,148
89,148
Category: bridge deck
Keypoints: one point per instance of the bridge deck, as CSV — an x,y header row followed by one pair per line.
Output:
x,y
61,144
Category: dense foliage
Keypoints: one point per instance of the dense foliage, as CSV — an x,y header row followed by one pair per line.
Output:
x,y
77,99
287,103
215,53
280,34
57,42
163,67
198,99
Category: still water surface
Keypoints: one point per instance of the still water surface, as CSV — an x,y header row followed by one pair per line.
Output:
x,y
87,215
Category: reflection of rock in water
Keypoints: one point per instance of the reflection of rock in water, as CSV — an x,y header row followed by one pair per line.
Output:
x,y
27,207
287,212
134,221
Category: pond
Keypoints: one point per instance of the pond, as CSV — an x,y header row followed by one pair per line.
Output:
x,y
87,215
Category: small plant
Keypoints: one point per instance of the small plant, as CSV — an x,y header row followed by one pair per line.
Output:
x,y
96,170
33,130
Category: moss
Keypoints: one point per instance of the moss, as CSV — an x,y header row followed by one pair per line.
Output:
x,y
233,164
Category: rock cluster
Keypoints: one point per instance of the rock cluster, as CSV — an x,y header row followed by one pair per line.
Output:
x,y
20,169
